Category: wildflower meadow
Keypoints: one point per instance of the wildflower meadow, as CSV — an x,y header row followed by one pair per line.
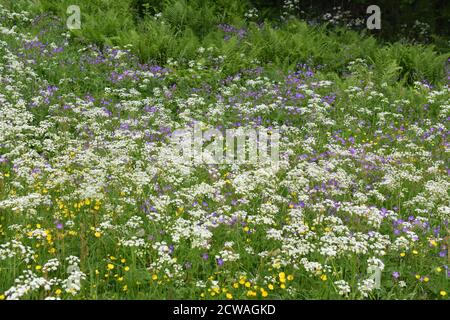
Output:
x,y
217,150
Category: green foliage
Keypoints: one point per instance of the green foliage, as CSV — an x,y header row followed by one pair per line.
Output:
x,y
374,106
183,26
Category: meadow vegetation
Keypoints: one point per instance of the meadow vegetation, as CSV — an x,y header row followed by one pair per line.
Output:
x,y
95,205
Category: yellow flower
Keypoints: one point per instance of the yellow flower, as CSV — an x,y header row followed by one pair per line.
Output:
x,y
229,296
155,277
251,293
97,234
235,285
125,288
123,260
283,286
415,252
402,254
323,277
282,275
2,297
248,284
110,266
127,268
443,293
58,292
264,293
426,279
38,267
438,269
417,276
290,277
270,286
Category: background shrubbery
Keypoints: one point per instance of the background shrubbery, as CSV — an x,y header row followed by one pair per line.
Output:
x,y
416,19
277,35
96,204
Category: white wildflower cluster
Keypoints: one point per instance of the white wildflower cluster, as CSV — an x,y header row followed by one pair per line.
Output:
x,y
134,242
342,287
365,287
290,7
361,177
72,284
228,255
15,248
252,13
51,265
26,284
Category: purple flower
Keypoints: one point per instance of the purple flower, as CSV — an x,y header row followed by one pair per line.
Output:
x,y
220,262
57,50
396,274
205,256
59,225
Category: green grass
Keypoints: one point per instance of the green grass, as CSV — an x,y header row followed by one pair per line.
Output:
x,y
98,174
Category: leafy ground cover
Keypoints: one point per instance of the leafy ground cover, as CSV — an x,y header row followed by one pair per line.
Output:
x,y
95,204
